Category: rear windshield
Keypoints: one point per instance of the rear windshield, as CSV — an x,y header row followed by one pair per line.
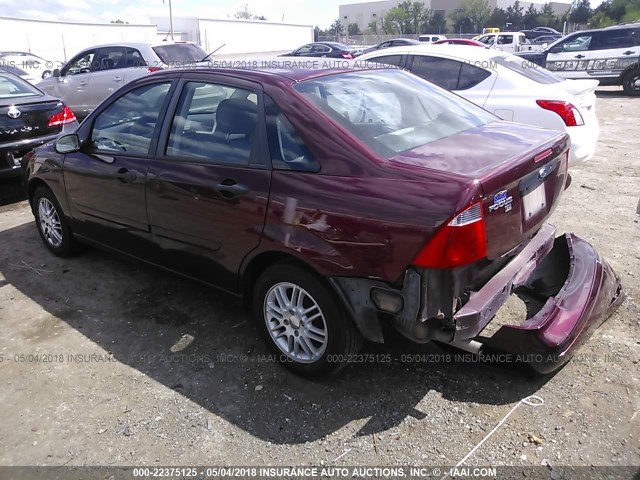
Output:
x,y
180,53
527,68
390,110
11,86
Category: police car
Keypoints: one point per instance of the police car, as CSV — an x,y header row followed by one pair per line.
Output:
x,y
610,55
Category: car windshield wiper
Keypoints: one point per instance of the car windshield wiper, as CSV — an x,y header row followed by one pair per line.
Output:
x,y
212,52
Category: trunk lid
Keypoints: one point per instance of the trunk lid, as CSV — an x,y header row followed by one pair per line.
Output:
x,y
31,120
521,170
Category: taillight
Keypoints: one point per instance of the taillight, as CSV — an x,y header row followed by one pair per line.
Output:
x,y
62,118
459,242
347,55
153,69
567,111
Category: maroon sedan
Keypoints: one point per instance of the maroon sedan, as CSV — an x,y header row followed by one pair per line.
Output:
x,y
460,41
334,201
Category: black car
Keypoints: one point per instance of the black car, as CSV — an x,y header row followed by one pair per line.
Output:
x,y
544,39
324,49
540,32
396,42
28,118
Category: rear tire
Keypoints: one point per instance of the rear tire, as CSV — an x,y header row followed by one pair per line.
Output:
x,y
631,83
303,322
52,224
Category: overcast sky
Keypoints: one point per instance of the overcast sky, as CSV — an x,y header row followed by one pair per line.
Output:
x,y
308,12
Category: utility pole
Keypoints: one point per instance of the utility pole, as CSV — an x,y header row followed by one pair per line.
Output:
x,y
170,20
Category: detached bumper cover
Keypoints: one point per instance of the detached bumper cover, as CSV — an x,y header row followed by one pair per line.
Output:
x,y
571,289
581,290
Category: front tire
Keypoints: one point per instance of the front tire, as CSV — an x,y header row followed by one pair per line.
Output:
x,y
631,83
303,322
52,224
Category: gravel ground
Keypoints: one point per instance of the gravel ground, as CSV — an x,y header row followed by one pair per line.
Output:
x,y
105,361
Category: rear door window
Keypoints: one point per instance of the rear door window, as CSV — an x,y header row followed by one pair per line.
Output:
x,y
470,76
288,150
441,71
619,38
135,58
214,123
320,49
109,58
394,60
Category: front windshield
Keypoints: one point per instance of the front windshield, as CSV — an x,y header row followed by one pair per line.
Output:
x,y
528,69
390,110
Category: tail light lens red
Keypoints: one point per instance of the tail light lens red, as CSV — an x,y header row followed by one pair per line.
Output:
x,y
153,69
459,242
567,111
62,118
347,55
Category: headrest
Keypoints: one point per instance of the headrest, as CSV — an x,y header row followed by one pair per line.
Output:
x,y
237,115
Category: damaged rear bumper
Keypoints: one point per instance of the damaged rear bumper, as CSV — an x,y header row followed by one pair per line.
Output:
x,y
581,292
570,288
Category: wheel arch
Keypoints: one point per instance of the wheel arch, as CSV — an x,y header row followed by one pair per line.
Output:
x,y
630,68
33,185
259,263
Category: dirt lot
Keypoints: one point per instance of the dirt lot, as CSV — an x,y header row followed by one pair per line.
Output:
x,y
108,362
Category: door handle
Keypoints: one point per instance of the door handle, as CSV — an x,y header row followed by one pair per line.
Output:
x,y
83,82
229,188
125,176
117,79
628,52
579,56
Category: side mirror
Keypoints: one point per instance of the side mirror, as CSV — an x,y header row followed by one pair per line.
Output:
x,y
56,73
556,49
68,143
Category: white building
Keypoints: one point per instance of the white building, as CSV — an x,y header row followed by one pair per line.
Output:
x,y
236,36
58,41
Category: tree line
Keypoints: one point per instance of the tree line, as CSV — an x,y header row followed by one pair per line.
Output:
x,y
474,15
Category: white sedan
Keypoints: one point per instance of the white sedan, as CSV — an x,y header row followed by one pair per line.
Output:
x,y
510,87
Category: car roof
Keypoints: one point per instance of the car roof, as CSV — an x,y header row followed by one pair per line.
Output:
x,y
330,44
606,29
136,44
624,25
469,52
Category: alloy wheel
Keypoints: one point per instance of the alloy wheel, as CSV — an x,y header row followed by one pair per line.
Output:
x,y
50,222
295,322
